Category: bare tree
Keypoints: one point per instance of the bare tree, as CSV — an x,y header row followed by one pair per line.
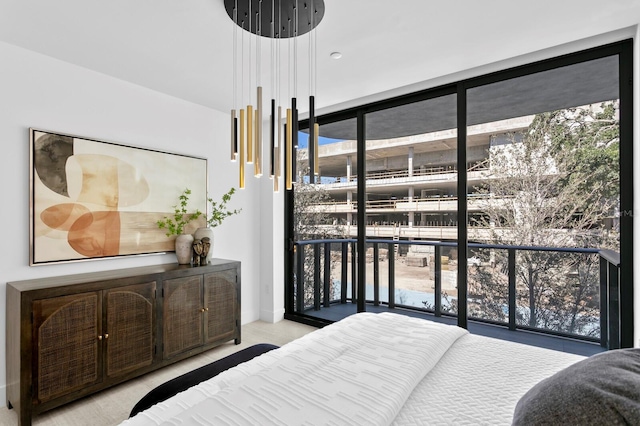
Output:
x,y
312,222
553,186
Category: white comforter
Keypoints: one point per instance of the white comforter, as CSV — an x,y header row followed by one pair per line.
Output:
x,y
368,369
357,371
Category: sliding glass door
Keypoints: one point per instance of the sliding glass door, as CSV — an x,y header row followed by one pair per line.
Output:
x,y
411,202
506,199
324,223
543,196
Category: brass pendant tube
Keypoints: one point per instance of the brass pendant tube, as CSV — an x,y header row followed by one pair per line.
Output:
x,y
241,158
250,119
257,170
258,139
276,176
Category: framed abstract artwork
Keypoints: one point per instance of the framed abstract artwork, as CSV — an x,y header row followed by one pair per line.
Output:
x,y
91,199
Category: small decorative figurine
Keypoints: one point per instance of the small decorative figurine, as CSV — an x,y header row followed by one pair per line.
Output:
x,y
197,252
206,246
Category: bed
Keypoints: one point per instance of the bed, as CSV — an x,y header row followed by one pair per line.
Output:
x,y
373,369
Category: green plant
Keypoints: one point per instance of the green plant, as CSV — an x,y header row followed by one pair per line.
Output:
x,y
175,225
219,211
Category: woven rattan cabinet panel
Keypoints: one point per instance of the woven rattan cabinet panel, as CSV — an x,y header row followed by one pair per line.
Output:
x,y
201,311
182,315
71,336
221,303
129,330
66,350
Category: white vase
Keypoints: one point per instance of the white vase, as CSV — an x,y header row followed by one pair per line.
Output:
x,y
205,232
184,247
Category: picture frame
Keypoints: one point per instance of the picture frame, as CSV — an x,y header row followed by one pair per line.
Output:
x,y
92,199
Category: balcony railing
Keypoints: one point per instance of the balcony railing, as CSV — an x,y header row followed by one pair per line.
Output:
x,y
568,292
405,205
439,172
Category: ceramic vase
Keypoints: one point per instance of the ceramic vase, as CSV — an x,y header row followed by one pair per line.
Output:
x,y
184,243
205,232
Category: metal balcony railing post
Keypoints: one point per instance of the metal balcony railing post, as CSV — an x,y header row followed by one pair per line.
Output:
x,y
300,280
512,288
343,273
327,275
392,276
354,277
316,277
437,280
604,297
376,274
614,307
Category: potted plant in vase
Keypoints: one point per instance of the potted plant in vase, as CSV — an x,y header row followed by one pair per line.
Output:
x,y
175,226
218,212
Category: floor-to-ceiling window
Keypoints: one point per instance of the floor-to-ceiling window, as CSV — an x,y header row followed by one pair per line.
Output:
x,y
547,199
491,200
411,203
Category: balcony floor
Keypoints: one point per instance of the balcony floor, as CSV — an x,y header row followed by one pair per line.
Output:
x,y
339,311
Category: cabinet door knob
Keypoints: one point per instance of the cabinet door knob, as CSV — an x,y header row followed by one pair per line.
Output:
x,y
99,337
202,310
206,309
106,335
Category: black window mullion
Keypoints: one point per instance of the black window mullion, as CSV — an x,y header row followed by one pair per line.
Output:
x,y
362,212
626,194
462,205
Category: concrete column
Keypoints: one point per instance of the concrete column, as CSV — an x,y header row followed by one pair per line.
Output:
x,y
410,162
348,168
411,191
349,206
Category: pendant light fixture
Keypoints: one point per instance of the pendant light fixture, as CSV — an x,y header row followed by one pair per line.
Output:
x,y
281,21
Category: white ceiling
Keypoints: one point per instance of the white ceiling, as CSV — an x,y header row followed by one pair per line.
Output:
x,y
184,48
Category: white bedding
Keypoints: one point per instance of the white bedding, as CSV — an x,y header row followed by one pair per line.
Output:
x,y
368,369
479,382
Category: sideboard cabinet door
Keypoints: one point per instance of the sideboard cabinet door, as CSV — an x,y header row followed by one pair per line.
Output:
x,y
129,332
66,346
221,302
182,314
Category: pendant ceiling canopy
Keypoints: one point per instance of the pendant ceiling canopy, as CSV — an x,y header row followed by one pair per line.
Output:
x,y
310,13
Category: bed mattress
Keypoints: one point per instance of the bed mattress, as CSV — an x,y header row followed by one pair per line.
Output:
x,y
368,369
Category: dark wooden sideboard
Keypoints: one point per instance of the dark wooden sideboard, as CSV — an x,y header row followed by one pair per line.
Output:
x,y
70,336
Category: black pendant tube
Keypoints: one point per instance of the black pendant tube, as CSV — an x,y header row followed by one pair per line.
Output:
x,y
311,146
272,169
294,139
235,135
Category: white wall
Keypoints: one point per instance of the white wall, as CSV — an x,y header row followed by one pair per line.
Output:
x,y
38,91
272,252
